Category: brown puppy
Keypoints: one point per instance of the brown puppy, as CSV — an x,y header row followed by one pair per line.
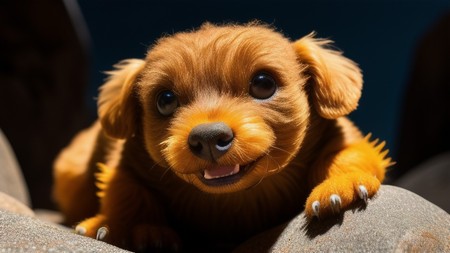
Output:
x,y
219,133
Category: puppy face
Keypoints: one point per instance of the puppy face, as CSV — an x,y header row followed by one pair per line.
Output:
x,y
225,107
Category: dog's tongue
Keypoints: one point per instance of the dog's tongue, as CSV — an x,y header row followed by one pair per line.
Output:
x,y
221,171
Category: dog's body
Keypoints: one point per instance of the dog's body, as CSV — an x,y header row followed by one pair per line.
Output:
x,y
220,133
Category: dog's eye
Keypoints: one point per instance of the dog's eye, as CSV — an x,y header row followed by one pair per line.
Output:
x,y
166,102
262,86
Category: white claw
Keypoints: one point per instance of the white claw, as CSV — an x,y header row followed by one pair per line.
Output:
x,y
80,230
363,193
335,202
316,207
101,233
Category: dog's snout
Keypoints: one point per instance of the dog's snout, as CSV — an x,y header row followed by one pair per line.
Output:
x,y
211,140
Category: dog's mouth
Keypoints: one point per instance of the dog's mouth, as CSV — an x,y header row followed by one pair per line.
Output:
x,y
218,175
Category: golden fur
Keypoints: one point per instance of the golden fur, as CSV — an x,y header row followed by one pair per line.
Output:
x,y
294,144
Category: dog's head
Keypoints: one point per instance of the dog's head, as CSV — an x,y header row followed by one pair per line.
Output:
x,y
226,106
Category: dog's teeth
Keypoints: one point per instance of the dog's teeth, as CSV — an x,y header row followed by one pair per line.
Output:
x,y
221,171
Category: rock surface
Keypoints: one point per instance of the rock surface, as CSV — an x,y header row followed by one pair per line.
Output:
x,y
20,233
430,180
395,220
8,203
11,179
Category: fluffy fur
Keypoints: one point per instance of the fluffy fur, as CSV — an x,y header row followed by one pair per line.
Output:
x,y
294,146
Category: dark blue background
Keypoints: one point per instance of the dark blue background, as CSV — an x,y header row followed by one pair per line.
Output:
x,y
379,35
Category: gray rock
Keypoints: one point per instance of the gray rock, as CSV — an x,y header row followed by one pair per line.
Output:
x,y
19,233
10,204
395,220
11,179
22,231
430,180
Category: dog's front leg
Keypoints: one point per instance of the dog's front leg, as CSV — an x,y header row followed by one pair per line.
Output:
x,y
344,177
130,216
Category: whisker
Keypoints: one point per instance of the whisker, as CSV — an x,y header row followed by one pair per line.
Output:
x,y
267,171
280,149
278,167
242,155
153,166
165,172
267,168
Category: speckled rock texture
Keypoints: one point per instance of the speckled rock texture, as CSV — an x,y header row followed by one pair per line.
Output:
x,y
20,233
395,220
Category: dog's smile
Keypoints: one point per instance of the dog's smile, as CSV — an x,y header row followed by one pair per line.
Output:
x,y
219,175
221,171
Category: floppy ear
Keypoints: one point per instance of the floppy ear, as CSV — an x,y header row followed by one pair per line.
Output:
x,y
336,80
116,102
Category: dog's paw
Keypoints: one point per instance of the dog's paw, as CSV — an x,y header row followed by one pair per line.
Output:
x,y
337,193
140,238
94,227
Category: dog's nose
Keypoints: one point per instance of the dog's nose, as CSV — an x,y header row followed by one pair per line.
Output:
x,y
211,140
